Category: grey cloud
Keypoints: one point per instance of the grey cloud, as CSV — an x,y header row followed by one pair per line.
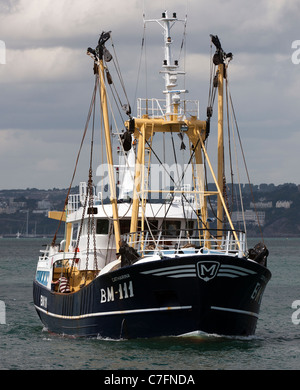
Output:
x,y
47,82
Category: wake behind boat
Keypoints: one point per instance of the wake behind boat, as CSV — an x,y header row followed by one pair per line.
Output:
x,y
133,267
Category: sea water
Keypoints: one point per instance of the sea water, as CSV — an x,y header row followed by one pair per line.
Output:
x,y
26,345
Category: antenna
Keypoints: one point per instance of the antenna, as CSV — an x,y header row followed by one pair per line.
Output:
x,y
170,70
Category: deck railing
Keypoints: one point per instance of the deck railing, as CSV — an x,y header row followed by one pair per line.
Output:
x,y
187,241
75,201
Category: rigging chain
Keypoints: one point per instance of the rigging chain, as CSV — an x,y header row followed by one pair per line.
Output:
x,y
92,109
90,192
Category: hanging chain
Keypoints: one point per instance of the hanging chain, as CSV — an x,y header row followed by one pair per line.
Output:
x,y
90,192
91,223
90,184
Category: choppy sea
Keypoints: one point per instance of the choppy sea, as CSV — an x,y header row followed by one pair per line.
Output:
x,y
26,345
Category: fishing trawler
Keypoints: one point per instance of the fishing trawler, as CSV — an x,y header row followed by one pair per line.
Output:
x,y
133,267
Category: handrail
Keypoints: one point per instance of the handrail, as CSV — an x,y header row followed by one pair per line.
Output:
x,y
187,241
153,108
74,201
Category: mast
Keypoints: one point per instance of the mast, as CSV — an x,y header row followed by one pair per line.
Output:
x,y
139,166
170,71
219,59
173,120
113,194
99,54
220,211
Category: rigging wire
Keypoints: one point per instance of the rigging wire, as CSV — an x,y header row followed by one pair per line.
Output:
x,y
238,176
179,181
183,195
122,83
229,139
152,150
245,164
116,62
89,197
140,61
183,46
77,159
126,160
120,141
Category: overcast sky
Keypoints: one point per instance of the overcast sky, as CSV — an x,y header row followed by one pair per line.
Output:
x,y
47,81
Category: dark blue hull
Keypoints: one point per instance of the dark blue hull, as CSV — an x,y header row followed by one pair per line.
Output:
x,y
213,294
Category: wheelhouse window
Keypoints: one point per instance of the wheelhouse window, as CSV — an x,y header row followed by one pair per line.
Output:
x,y
102,226
190,228
125,226
171,228
152,224
75,229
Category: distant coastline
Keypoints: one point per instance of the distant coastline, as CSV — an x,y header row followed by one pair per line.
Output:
x,y
24,212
